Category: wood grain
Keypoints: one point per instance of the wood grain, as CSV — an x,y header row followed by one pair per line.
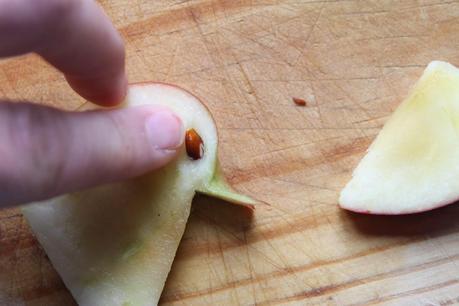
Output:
x,y
353,61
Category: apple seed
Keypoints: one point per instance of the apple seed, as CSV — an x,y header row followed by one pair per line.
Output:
x,y
194,144
299,101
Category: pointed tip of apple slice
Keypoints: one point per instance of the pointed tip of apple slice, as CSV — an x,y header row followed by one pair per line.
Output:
x,y
413,164
219,188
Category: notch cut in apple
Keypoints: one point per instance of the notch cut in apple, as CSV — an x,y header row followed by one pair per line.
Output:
x,y
115,244
413,164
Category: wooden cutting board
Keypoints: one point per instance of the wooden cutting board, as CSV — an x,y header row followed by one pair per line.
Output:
x,y
353,62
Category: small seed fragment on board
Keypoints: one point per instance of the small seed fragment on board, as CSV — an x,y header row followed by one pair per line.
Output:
x,y
194,144
299,101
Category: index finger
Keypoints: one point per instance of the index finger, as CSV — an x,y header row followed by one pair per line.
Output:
x,y
75,36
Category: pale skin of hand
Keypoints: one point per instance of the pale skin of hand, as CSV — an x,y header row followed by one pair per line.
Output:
x,y
45,152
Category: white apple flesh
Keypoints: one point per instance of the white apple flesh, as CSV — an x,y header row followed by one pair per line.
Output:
x,y
115,244
413,164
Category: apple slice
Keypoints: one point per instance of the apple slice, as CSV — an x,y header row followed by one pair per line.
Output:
x,y
114,245
413,164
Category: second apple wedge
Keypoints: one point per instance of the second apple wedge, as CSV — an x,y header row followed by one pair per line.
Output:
x,y
114,245
413,164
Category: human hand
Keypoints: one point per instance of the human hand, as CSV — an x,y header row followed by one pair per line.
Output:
x,y
45,152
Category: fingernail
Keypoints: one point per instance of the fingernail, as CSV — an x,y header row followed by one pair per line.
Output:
x,y
164,130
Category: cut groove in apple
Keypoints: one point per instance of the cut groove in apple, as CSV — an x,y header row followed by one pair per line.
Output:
x,y
115,244
217,187
413,164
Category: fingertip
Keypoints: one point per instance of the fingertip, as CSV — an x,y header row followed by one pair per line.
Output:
x,y
105,91
157,132
164,130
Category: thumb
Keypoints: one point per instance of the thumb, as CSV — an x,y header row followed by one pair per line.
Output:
x,y
45,152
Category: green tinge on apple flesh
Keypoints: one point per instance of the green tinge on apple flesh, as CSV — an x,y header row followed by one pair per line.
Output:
x,y
115,244
413,164
217,187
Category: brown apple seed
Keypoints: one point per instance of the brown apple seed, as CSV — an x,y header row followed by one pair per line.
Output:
x,y
299,101
194,144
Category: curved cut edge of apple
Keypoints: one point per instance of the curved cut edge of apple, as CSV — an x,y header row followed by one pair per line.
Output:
x,y
219,188
431,110
402,213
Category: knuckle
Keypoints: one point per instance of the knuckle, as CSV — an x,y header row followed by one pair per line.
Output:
x,y
125,156
39,142
57,9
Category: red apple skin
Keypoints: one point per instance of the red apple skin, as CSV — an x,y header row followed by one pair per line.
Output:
x,y
412,212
